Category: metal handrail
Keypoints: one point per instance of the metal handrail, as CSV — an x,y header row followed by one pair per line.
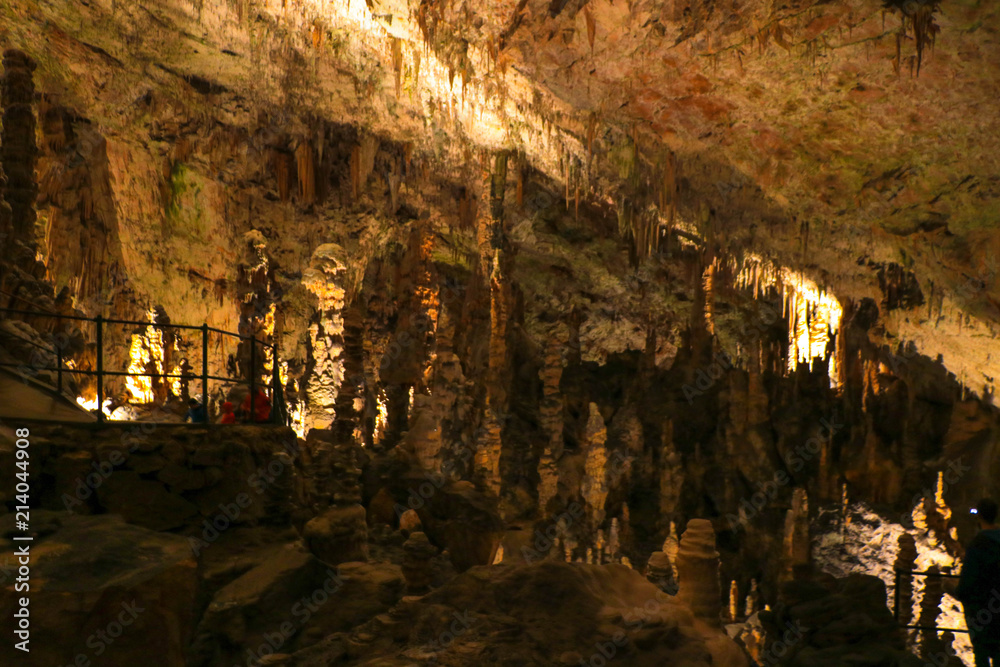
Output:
x,y
896,600
99,323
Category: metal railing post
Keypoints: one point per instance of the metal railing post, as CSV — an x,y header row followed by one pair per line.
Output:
x,y
896,596
253,380
277,400
204,369
99,321
59,367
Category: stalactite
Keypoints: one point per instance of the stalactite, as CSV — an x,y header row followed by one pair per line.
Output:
x,y
306,172
362,163
18,152
282,169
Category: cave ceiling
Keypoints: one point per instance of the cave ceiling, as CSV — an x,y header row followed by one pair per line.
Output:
x,y
814,133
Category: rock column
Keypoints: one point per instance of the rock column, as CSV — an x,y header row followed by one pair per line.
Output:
x,y
698,566
18,152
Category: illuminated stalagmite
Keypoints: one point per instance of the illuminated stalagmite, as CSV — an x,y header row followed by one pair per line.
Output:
x,y
324,278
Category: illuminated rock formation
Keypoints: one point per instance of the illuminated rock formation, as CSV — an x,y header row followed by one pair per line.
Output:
x,y
698,570
671,547
324,278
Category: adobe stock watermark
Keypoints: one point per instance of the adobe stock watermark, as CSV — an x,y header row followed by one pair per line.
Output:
x,y
101,641
750,332
299,614
86,485
980,621
543,541
772,656
259,481
458,627
795,461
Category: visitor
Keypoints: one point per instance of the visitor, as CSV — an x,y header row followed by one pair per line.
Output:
x,y
228,416
979,587
261,407
196,413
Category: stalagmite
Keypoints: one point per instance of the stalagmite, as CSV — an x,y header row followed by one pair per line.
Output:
x,y
734,601
905,559
417,555
594,487
750,606
551,410
671,475
18,152
671,547
796,536
493,247
698,567
324,278
930,610
660,571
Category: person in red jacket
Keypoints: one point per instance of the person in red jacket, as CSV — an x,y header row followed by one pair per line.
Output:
x,y
261,407
228,416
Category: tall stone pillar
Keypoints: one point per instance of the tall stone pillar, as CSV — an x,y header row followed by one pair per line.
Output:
x,y
18,152
698,566
905,560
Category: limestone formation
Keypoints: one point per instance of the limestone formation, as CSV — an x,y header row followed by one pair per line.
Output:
x,y
698,571
659,571
338,535
930,609
594,487
325,278
905,561
18,152
417,555
797,546
551,411
671,547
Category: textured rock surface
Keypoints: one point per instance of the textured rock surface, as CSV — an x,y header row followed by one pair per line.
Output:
x,y
290,601
101,586
833,621
338,535
544,614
